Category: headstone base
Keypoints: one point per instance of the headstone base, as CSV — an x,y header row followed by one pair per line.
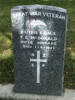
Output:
x,y
6,92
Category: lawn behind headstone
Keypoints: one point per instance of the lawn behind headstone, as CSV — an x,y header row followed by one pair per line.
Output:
x,y
6,56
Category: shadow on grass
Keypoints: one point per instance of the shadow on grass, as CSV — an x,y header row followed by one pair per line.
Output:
x,y
69,70
6,70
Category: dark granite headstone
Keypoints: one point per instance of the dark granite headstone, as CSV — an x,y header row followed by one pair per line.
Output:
x,y
38,48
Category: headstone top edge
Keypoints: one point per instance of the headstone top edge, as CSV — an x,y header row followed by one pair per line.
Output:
x,y
35,6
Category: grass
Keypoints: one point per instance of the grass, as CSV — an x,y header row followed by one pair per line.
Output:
x,y
6,58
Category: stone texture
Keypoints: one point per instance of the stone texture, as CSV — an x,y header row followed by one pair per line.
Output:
x,y
6,91
38,62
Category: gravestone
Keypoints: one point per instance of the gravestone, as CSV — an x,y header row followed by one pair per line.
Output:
x,y
38,48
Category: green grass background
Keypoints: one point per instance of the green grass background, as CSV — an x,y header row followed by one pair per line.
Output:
x,y
6,56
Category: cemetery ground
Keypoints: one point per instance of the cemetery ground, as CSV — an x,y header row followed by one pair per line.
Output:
x,y
6,56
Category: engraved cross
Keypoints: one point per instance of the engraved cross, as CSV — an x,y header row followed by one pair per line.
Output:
x,y
38,61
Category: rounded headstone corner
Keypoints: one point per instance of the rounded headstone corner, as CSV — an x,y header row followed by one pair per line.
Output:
x,y
38,44
36,6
